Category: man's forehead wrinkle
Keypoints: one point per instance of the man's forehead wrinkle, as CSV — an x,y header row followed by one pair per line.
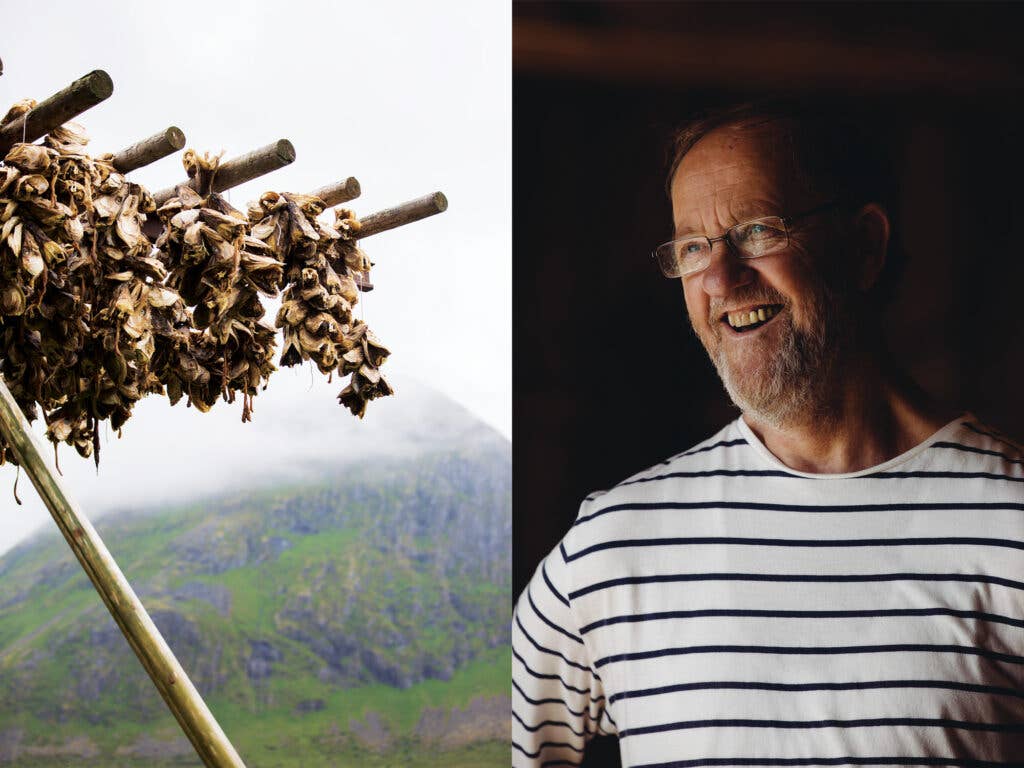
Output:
x,y
731,175
711,201
724,208
766,145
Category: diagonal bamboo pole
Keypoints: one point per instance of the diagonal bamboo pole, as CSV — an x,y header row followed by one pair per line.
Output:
x,y
145,639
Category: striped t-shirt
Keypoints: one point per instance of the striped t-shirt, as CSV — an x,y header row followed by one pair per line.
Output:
x,y
721,609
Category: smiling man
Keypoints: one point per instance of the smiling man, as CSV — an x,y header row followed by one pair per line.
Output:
x,y
836,577
811,376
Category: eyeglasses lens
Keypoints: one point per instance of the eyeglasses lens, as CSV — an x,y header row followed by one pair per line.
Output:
x,y
749,240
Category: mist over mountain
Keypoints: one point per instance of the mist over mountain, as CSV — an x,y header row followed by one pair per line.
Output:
x,y
343,593
170,454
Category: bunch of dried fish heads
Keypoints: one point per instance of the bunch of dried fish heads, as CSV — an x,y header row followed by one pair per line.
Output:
x,y
94,316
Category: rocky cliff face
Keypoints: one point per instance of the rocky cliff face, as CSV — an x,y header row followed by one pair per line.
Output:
x,y
387,574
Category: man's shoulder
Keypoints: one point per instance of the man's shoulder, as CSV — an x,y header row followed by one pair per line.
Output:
x,y
607,515
978,445
716,451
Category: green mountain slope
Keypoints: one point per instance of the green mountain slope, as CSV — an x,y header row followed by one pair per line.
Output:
x,y
359,618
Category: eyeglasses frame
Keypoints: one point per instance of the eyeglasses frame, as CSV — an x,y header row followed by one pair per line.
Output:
x,y
786,220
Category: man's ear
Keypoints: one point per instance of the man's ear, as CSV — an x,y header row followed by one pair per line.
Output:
x,y
871,235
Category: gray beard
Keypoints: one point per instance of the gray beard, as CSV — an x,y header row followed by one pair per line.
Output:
x,y
794,385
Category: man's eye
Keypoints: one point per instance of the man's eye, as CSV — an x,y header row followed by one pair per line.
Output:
x,y
758,231
692,248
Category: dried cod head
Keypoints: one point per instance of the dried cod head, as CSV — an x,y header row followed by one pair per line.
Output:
x,y
77,327
320,264
219,271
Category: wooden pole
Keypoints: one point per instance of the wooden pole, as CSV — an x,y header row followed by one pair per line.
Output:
x,y
406,213
85,92
341,192
149,150
241,169
142,635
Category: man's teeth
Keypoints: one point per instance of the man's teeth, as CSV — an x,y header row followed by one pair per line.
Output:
x,y
759,315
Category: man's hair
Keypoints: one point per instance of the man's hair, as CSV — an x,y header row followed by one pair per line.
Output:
x,y
835,154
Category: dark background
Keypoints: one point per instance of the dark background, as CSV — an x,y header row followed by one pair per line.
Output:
x,y
608,378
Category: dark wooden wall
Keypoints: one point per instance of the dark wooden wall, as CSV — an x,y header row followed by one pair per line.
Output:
x,y
608,378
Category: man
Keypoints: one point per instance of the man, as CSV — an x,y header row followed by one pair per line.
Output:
x,y
836,577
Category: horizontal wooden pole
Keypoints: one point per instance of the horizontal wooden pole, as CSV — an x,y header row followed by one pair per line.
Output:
x,y
338,193
406,213
142,635
149,150
241,169
747,58
85,92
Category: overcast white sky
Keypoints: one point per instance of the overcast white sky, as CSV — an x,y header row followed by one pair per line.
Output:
x,y
407,97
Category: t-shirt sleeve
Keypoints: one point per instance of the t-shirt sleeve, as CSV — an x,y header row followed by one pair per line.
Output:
x,y
558,703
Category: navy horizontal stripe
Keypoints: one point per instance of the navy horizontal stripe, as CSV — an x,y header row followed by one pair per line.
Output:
x,y
1007,441
544,744
641,506
866,722
794,577
950,762
719,444
608,715
550,651
780,473
546,620
759,542
543,676
556,723
817,650
712,473
552,763
857,686
555,592
958,475
563,702
702,613
972,449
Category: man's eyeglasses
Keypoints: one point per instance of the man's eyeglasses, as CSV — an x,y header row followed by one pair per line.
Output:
x,y
749,240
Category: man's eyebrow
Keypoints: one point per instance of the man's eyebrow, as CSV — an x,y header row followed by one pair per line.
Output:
x,y
685,232
692,232
744,212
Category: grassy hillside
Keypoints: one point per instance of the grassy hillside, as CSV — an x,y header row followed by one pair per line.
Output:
x,y
359,619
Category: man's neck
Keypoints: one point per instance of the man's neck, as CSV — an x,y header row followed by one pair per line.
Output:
x,y
874,415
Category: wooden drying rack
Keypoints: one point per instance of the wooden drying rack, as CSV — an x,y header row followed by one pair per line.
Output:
x,y
173,684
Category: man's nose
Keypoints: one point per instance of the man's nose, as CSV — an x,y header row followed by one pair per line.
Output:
x,y
725,272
